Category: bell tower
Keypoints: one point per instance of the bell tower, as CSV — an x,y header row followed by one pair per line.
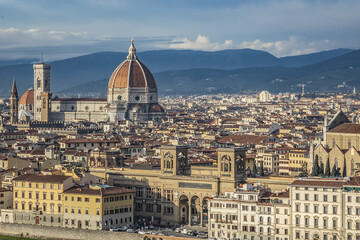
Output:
x,y
231,163
14,104
41,85
174,160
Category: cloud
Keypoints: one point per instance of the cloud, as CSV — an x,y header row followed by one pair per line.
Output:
x,y
13,37
292,46
201,43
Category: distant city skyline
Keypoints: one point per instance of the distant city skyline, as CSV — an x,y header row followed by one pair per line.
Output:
x,y
64,29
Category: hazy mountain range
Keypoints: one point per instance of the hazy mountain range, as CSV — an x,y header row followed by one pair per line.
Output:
x,y
188,72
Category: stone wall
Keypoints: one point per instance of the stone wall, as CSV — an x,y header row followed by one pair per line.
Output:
x,y
34,231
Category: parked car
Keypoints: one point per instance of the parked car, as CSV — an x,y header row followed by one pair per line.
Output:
x,y
130,230
115,230
178,230
184,231
141,232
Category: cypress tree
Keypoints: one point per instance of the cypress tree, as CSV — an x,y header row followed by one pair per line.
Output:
x,y
344,169
262,168
333,171
255,168
315,168
327,169
321,171
304,172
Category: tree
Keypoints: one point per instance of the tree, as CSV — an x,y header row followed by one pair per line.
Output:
x,y
327,168
255,171
338,173
304,172
262,168
333,171
321,171
315,168
344,169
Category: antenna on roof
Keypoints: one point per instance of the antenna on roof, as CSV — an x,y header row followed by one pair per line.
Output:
x,y
42,57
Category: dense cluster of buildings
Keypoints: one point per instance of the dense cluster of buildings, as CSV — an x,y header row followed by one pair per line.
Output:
x,y
249,166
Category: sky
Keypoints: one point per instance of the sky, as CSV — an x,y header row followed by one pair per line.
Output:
x,y
68,28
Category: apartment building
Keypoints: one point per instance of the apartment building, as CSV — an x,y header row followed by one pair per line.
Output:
x,y
313,208
325,208
241,215
98,207
38,199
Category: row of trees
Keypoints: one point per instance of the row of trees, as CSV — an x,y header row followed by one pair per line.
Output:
x,y
318,170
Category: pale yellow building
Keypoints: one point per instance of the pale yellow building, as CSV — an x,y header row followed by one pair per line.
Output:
x,y
98,207
38,198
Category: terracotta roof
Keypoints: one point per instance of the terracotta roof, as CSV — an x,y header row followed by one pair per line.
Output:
x,y
86,190
355,181
132,73
156,108
27,97
42,178
346,128
244,139
321,182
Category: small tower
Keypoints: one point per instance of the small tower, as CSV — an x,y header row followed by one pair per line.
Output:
x,y
174,160
41,85
354,91
14,103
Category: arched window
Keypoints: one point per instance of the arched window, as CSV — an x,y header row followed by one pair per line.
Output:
x,y
352,167
168,165
333,142
44,103
38,83
349,143
336,163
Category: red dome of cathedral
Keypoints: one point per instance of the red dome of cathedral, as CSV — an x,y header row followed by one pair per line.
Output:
x,y
132,73
27,98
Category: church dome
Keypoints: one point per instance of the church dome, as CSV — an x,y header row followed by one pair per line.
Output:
x,y
132,73
27,98
156,108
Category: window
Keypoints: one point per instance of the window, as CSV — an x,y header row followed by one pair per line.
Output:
x,y
316,209
306,196
334,198
297,196
334,210
97,200
325,209
316,222
334,223
325,198
297,208
86,199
